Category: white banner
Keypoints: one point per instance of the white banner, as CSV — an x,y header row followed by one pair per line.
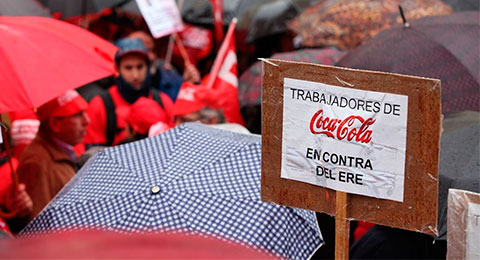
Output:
x,y
162,16
345,139
473,232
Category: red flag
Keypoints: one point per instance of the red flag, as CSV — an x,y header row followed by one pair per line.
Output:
x,y
218,20
223,79
196,41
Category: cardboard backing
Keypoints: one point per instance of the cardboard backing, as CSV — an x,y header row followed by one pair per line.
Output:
x,y
418,212
457,223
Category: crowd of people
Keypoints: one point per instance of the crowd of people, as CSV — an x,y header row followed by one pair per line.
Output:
x,y
147,97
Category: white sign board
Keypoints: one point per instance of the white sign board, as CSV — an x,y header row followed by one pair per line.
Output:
x,y
346,139
162,16
473,231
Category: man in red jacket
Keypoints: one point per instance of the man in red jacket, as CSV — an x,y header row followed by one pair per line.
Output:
x,y
134,81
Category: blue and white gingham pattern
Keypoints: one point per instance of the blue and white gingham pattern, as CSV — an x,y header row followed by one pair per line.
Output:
x,y
209,183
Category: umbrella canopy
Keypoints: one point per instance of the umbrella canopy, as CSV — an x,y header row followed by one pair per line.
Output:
x,y
464,5
80,7
103,244
200,12
40,58
23,8
459,160
443,47
347,24
270,18
250,82
194,178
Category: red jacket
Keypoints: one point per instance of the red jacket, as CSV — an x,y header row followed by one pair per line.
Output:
x,y
96,130
5,189
6,177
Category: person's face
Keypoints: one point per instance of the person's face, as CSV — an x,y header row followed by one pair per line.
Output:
x,y
70,129
150,45
192,117
133,68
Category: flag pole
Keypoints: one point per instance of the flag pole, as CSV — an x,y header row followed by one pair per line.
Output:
x,y
221,53
217,21
168,56
183,52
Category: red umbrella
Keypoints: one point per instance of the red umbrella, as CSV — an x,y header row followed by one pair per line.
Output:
x,y
40,58
103,244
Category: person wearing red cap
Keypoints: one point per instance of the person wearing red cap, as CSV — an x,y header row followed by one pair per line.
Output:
x,y
192,105
134,81
47,163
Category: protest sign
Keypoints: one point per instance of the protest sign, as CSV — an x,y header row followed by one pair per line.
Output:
x,y
463,225
372,135
162,16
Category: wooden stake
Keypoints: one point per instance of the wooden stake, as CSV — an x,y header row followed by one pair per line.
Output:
x,y
183,52
342,227
168,56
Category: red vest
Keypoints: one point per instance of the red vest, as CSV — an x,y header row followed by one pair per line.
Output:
x,y
96,130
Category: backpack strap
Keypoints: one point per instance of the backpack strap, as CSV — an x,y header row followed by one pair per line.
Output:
x,y
156,97
111,117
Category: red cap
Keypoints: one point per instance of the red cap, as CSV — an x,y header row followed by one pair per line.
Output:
x,y
67,104
142,114
189,99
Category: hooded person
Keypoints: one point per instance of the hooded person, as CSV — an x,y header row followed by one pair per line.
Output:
x,y
133,82
47,163
196,103
143,114
193,104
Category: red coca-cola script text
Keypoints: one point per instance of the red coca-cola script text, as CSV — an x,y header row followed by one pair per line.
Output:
x,y
342,129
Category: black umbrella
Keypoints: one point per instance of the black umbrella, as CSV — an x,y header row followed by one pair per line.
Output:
x,y
200,12
464,5
271,18
276,13
459,160
23,8
442,47
83,7
459,168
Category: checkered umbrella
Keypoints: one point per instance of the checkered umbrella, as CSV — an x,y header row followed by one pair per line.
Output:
x,y
250,82
192,178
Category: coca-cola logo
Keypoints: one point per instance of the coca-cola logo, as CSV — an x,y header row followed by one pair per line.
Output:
x,y
342,129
